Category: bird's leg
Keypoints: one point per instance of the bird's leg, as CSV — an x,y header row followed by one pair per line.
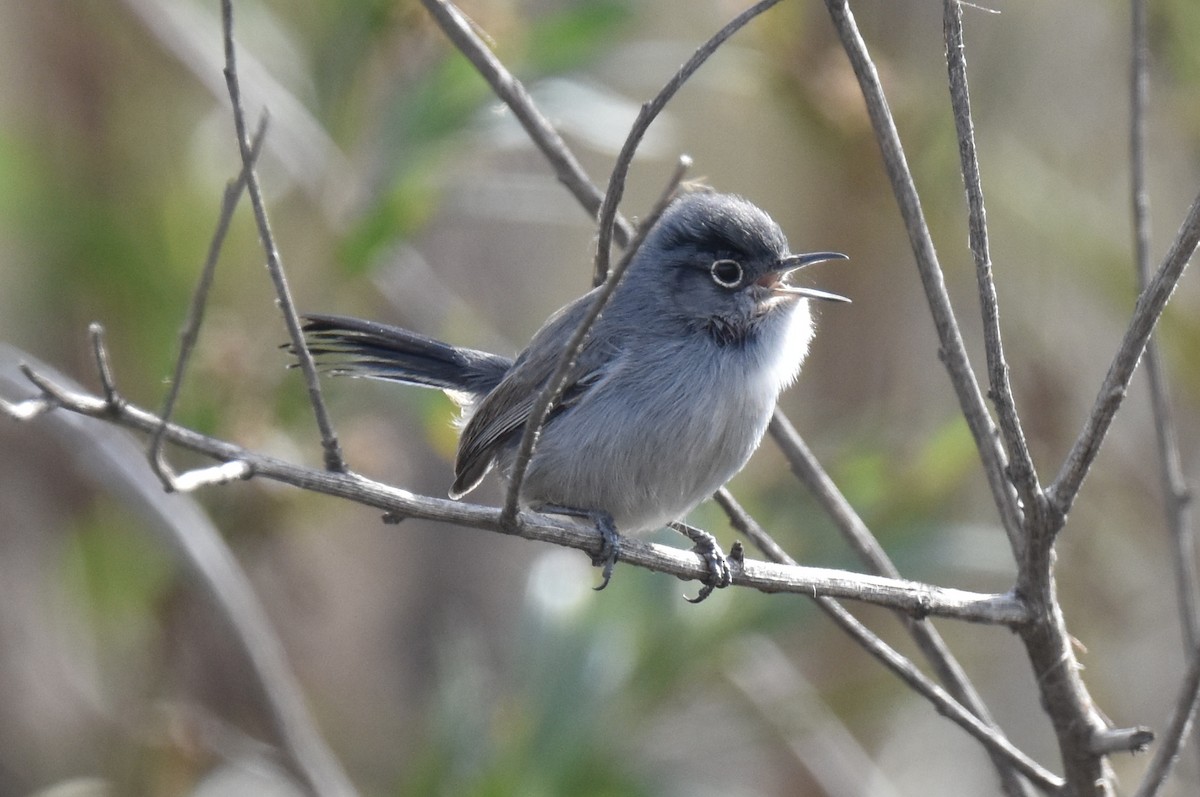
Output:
x,y
706,546
610,540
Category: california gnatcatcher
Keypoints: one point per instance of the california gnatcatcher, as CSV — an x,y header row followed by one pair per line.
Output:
x,y
671,391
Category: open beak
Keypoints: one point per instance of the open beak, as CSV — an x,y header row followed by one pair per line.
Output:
x,y
776,279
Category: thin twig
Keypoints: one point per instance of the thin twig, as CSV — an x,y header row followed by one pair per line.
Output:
x,y
952,350
1183,715
461,32
607,220
646,116
932,646
566,362
912,597
1150,304
1176,494
1021,468
329,442
191,328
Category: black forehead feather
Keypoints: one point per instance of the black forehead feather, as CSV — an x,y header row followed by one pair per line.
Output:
x,y
720,224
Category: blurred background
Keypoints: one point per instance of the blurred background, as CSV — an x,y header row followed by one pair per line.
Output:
x,y
439,660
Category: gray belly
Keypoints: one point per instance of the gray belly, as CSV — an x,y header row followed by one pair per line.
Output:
x,y
648,456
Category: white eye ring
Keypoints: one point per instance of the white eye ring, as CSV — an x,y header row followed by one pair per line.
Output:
x,y
727,273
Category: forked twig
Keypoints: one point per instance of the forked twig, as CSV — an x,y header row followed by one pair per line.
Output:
x,y
191,329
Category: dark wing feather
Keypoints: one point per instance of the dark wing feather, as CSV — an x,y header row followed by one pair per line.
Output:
x,y
501,415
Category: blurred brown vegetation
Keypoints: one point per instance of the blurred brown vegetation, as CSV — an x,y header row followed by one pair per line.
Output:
x,y
445,661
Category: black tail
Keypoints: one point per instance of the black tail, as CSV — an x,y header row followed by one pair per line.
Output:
x,y
354,347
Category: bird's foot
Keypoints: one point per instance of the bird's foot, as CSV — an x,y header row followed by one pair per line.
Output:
x,y
719,574
610,540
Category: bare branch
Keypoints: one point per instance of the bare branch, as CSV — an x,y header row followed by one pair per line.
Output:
x,y
554,386
1182,717
461,32
952,350
1021,469
646,116
914,598
191,328
333,452
1150,304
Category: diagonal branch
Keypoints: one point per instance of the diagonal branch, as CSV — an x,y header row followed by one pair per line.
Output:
x,y
1021,469
1008,758
1183,715
191,328
646,116
607,220
107,455
952,350
461,32
1150,304
810,473
566,362
329,442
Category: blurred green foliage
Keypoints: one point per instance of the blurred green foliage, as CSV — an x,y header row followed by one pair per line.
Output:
x,y
444,662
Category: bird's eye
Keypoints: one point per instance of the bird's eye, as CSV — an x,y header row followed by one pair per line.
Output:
x,y
727,273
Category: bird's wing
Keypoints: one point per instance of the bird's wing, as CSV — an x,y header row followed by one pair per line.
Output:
x,y
501,415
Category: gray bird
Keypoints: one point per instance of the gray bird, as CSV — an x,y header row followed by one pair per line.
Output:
x,y
670,394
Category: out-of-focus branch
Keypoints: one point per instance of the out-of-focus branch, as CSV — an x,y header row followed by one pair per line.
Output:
x,y
461,32
1176,494
1183,715
110,457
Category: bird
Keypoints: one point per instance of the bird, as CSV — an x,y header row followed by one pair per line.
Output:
x,y
669,395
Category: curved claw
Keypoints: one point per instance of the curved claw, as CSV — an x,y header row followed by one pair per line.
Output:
x,y
610,548
719,574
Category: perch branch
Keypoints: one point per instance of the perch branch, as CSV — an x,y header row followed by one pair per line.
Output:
x,y
914,598
107,455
